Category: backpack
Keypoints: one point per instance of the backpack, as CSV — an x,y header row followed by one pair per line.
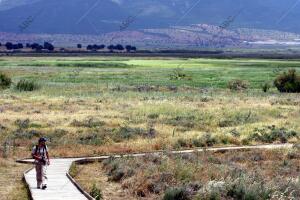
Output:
x,y
37,148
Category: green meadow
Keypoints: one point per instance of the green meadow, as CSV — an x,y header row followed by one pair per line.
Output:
x,y
63,73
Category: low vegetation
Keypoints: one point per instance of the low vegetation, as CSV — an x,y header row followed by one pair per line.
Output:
x,y
207,175
27,85
103,105
5,81
11,184
131,105
266,87
96,192
238,85
288,82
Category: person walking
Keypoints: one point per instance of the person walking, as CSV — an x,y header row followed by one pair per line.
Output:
x,y
41,159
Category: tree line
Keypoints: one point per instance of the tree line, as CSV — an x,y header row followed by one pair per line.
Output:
x,y
50,47
36,46
118,47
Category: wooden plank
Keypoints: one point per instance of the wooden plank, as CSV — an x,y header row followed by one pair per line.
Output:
x,y
59,185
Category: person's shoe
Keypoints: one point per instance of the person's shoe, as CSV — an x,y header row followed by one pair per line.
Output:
x,y
38,187
44,187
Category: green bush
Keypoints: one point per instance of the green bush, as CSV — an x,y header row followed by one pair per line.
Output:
x,y
179,74
288,82
117,170
265,87
92,139
182,143
271,134
27,85
73,171
248,188
207,140
176,194
126,133
238,85
96,192
89,122
22,124
5,81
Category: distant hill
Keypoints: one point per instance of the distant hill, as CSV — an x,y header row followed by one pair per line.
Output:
x,y
191,37
89,17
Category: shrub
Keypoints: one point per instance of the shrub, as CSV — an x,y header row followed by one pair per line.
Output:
x,y
248,188
176,194
92,139
22,124
182,143
153,116
207,140
89,122
5,81
126,133
27,85
25,134
238,85
179,74
73,171
265,87
117,170
237,118
184,121
288,82
272,133
96,192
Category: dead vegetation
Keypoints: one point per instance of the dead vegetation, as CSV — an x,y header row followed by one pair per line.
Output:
x,y
270,174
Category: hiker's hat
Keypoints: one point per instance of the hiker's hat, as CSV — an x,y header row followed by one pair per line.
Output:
x,y
42,139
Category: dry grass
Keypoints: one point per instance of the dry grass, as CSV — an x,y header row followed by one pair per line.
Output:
x,y
11,184
150,177
109,190
91,125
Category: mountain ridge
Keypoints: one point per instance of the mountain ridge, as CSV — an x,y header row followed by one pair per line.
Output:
x,y
193,36
104,16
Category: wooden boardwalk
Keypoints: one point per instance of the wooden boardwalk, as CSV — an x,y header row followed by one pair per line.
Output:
x,y
60,187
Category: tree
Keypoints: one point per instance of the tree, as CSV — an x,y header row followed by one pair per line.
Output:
x,y
20,46
95,47
15,46
48,46
39,47
89,47
128,48
119,47
133,48
9,46
111,47
28,45
34,46
79,46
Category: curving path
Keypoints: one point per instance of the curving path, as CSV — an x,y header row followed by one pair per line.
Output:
x,y
61,187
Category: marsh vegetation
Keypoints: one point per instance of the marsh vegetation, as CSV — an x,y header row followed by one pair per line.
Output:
x,y
102,105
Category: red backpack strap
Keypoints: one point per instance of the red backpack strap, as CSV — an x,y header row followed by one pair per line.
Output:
x,y
36,149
